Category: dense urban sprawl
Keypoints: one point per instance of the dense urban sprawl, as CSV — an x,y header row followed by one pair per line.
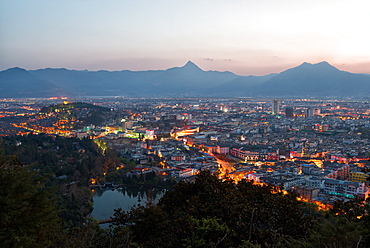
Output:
x,y
317,148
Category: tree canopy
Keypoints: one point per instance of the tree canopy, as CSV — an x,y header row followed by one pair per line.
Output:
x,y
210,212
28,215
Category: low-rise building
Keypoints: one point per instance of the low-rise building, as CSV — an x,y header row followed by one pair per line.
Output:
x,y
306,192
357,176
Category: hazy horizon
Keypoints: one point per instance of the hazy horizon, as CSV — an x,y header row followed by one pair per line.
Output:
x,y
243,37
166,69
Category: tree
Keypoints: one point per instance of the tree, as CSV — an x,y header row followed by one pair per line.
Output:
x,y
336,232
219,213
148,224
28,216
206,233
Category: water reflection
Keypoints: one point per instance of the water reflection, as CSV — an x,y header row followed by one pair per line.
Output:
x,y
106,200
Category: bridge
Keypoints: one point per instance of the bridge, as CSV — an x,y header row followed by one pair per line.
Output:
x,y
105,221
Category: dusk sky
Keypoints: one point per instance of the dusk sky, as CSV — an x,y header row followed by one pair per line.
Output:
x,y
247,37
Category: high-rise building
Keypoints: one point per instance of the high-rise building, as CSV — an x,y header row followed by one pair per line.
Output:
x,y
126,124
275,107
289,112
309,112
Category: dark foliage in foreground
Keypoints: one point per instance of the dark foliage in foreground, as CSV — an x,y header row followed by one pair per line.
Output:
x,y
28,214
206,213
214,213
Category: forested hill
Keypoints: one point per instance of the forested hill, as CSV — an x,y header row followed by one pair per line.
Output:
x,y
65,166
82,114
75,105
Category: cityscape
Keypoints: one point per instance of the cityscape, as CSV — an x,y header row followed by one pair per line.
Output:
x,y
195,124
317,148
103,151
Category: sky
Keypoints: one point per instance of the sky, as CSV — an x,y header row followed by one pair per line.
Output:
x,y
247,37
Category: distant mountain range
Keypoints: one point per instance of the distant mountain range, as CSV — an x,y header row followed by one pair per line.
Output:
x,y
305,80
17,82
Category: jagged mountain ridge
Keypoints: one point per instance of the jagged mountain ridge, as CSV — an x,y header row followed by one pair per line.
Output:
x,y
190,78
307,79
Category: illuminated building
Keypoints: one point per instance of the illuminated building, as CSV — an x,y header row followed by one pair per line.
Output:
x,y
244,154
184,172
178,157
149,134
275,107
126,125
306,192
345,188
222,149
358,177
338,171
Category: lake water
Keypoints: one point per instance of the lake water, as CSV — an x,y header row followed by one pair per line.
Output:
x,y
106,200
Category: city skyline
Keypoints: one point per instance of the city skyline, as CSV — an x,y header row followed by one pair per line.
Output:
x,y
244,37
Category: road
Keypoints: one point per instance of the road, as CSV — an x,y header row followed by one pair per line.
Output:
x,y
225,167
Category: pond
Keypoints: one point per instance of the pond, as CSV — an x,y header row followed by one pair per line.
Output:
x,y
106,200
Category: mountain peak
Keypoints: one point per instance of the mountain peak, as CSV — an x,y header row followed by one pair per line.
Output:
x,y
321,65
325,66
305,64
191,65
16,69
